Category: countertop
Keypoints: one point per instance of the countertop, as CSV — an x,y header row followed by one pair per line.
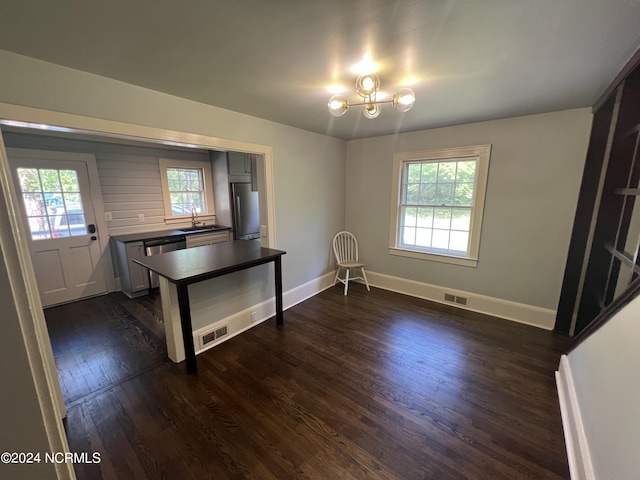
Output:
x,y
136,237
196,264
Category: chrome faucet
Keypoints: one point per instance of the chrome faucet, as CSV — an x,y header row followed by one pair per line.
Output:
x,y
194,218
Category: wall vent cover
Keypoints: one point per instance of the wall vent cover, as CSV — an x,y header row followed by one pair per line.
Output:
x,y
449,297
462,300
212,336
221,332
208,338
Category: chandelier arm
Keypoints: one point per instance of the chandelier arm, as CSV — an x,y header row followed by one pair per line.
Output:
x,y
376,102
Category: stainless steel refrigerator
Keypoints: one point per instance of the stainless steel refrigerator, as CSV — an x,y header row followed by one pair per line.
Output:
x,y
245,207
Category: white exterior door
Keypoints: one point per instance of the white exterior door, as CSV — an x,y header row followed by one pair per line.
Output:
x,y
56,199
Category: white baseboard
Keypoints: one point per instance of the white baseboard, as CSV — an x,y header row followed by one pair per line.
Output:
x,y
241,321
236,324
307,290
580,465
497,307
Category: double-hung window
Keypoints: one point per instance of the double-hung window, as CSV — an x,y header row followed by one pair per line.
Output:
x,y
438,199
187,189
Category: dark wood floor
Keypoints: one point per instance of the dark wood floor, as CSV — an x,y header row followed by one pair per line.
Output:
x,y
370,386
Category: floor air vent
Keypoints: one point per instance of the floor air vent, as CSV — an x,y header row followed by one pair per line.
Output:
x,y
456,299
214,335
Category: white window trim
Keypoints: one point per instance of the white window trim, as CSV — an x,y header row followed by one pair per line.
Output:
x,y
480,152
169,218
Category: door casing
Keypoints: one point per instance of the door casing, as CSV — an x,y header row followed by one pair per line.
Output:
x,y
76,278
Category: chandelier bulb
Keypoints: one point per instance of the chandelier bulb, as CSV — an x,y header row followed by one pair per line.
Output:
x,y
367,84
404,99
338,105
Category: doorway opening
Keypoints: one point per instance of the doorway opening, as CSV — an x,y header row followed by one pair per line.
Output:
x,y
25,119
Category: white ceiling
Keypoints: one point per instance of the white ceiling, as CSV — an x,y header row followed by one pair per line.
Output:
x,y
467,60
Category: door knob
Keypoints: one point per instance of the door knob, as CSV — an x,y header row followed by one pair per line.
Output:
x,y
93,237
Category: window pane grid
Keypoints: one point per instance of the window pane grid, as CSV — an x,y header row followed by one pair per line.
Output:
x,y
53,202
436,204
186,188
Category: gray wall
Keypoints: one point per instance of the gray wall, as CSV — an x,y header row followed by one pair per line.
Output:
x,y
534,177
605,375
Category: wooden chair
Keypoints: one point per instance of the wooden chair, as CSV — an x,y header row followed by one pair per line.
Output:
x,y
345,248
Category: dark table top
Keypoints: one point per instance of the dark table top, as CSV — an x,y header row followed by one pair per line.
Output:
x,y
193,265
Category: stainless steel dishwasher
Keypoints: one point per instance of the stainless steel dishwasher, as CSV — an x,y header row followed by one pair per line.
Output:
x,y
162,245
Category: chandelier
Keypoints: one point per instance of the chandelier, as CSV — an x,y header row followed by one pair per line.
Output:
x,y
367,86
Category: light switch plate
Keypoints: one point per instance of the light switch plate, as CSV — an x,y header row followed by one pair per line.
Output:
x,y
108,216
141,217
263,230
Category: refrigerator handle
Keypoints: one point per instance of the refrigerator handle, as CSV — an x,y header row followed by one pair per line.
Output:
x,y
238,215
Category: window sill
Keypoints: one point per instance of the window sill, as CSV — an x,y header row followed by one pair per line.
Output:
x,y
463,261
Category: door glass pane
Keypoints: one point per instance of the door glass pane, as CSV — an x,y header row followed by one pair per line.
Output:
x,y
52,202
50,181
39,227
69,181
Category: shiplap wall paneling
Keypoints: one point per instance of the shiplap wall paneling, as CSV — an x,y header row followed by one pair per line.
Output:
x,y
131,186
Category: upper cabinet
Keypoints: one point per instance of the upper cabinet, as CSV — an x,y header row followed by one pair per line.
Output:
x,y
242,168
239,167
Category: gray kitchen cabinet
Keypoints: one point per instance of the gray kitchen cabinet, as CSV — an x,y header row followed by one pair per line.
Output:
x,y
239,167
209,238
134,279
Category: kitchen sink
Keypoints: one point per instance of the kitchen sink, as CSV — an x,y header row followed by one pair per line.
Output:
x,y
203,228
197,229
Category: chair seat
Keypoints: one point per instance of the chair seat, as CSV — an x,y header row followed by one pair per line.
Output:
x,y
350,264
